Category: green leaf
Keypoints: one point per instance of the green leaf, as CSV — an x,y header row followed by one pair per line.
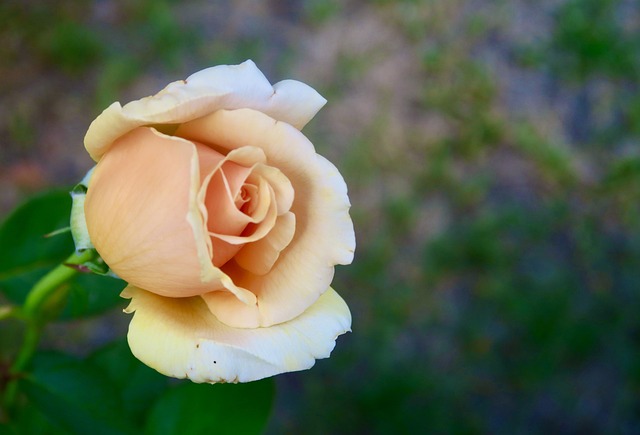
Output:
x,y
137,384
92,294
26,255
190,409
29,420
23,247
75,395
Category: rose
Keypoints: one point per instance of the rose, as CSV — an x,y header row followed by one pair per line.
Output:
x,y
214,207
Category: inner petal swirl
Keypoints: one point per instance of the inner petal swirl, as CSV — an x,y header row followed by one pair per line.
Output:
x,y
242,198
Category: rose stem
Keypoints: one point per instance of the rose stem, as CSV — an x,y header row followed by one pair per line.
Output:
x,y
38,295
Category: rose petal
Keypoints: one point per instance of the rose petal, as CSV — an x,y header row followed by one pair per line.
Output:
x,y
154,238
266,213
296,103
137,214
219,199
223,215
219,87
182,339
280,184
260,256
324,231
229,227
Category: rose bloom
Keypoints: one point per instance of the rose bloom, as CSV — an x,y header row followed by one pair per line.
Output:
x,y
225,223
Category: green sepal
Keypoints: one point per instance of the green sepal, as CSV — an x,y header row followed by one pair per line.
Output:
x,y
78,224
97,266
80,233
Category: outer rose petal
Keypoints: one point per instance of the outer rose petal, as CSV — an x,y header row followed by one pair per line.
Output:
x,y
219,87
324,233
143,222
182,339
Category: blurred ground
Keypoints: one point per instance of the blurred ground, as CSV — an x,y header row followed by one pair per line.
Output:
x,y
491,151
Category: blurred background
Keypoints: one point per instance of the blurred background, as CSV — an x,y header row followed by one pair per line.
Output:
x,y
491,149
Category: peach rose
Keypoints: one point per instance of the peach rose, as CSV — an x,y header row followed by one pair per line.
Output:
x,y
214,207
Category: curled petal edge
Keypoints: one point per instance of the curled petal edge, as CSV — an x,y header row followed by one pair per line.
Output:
x,y
180,338
209,90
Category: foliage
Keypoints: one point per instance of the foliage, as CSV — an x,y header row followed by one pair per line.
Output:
x,y
497,291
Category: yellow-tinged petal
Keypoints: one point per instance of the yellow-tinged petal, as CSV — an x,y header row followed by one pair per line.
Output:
x,y
219,87
182,339
324,233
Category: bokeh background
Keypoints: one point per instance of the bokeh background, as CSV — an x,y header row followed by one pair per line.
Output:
x,y
491,149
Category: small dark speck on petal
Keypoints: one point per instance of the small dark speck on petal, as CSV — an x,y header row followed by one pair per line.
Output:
x,y
198,346
215,362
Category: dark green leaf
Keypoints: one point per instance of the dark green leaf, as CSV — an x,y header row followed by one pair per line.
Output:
x,y
75,395
26,255
29,420
191,409
92,294
138,385
23,246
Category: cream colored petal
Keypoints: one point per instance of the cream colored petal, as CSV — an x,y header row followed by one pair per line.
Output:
x,y
324,233
219,87
224,305
260,256
280,184
139,210
182,339
297,103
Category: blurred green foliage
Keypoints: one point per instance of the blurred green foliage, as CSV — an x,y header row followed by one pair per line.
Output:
x,y
589,40
521,316
496,281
